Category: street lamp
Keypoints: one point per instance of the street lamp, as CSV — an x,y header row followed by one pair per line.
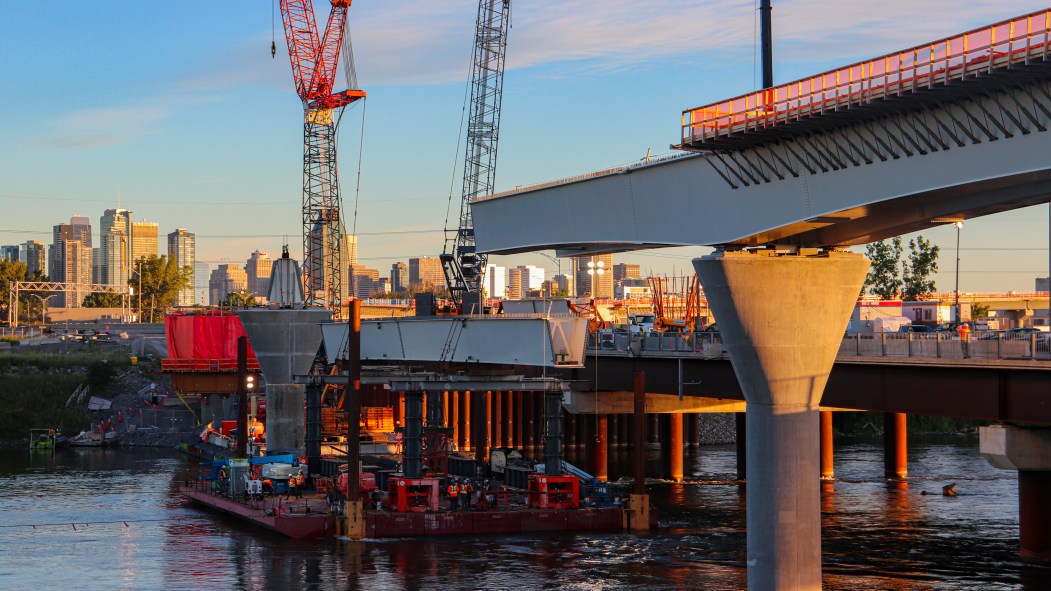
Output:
x,y
43,306
556,260
957,305
594,269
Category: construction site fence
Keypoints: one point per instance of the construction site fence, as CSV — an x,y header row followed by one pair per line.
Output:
x,y
938,345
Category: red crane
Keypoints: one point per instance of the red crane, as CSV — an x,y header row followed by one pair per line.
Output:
x,y
314,65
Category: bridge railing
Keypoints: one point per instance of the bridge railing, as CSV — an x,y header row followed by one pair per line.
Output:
x,y
709,345
970,54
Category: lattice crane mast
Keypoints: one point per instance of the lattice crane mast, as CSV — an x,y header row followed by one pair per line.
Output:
x,y
464,267
314,65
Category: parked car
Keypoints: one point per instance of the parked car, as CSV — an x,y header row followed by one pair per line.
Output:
x,y
991,335
915,328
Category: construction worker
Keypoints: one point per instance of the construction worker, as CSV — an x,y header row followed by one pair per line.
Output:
x,y
965,332
453,491
300,480
465,494
292,490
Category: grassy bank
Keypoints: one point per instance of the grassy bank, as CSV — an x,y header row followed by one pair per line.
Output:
x,y
871,423
35,385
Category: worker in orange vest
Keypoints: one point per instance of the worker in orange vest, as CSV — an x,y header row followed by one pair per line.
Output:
x,y
965,333
292,489
465,494
453,491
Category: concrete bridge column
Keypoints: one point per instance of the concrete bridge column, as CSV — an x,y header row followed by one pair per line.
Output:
x,y
612,430
782,319
693,430
654,433
1027,450
895,445
828,469
480,427
664,441
285,428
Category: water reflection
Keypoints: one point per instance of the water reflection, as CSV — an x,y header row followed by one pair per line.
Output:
x,y
876,534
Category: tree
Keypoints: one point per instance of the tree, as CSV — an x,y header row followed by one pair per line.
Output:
x,y
161,279
916,271
883,279
108,299
10,272
241,298
979,311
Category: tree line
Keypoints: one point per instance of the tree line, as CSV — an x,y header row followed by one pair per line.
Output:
x,y
892,277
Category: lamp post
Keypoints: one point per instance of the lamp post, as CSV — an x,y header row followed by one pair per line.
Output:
x,y
555,260
593,270
43,306
957,304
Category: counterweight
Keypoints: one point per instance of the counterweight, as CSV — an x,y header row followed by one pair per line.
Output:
x,y
464,266
314,63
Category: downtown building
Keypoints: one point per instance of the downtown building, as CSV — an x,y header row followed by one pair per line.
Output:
x,y
70,261
227,279
144,241
182,248
495,281
602,282
113,257
426,273
525,281
399,277
257,269
34,255
364,282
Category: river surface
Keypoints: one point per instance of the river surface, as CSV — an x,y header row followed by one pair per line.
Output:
x,y
110,519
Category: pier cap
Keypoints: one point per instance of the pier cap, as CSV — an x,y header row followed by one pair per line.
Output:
x,y
285,341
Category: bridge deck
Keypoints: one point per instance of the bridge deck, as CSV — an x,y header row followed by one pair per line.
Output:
x,y
899,79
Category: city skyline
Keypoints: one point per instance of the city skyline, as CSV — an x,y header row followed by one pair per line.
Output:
x,y
148,135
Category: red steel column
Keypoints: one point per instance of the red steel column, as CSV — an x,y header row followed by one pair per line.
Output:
x,y
895,445
1034,515
675,442
401,409
638,455
600,443
467,420
828,469
446,395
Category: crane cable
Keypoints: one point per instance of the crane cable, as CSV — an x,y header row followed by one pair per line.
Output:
x,y
273,30
459,138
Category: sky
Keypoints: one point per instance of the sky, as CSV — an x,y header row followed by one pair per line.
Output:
x,y
179,109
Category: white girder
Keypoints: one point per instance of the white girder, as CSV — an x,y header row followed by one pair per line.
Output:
x,y
869,179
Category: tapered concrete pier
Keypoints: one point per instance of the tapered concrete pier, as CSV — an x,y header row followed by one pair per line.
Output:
x,y
782,319
1027,450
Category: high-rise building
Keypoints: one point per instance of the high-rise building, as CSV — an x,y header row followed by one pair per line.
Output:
x,y
70,260
384,285
258,270
495,281
144,240
560,285
225,280
399,277
115,246
350,250
524,281
9,253
515,283
201,274
35,259
625,271
426,273
364,282
182,248
603,282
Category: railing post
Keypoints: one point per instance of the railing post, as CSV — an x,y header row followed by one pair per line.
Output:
x,y
1032,346
882,344
910,344
999,347
857,338
938,344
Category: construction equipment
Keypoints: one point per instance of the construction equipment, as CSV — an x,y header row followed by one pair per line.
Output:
x,y
664,320
464,267
314,62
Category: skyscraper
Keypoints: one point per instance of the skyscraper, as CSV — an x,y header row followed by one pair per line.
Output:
x,y
560,284
426,273
625,271
9,252
399,277
35,259
182,248
225,280
364,282
115,246
70,260
143,240
495,281
258,270
201,275
603,283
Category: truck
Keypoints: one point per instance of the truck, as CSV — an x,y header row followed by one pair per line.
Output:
x,y
641,323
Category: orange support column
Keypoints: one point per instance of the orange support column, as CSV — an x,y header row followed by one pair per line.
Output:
x,y
496,402
401,409
509,439
446,395
453,416
519,420
828,469
601,436
528,420
675,443
466,432
895,445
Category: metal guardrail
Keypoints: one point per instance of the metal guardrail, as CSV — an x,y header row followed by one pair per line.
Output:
x,y
976,52
709,345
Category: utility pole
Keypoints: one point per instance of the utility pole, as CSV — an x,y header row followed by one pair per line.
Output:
x,y
957,290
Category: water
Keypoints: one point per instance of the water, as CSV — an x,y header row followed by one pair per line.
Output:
x,y
875,535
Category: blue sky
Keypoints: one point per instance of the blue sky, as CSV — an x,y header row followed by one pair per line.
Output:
x,y
180,108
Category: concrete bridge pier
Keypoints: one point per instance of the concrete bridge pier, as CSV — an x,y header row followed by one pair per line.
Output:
x,y
782,319
1027,450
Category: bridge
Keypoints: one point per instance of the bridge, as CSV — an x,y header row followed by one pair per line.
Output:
x,y
779,181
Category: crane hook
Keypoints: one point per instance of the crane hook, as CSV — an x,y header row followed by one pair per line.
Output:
x,y
273,50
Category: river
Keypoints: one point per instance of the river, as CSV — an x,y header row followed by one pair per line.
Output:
x,y
110,519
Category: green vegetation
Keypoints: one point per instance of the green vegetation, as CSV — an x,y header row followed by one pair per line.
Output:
x,y
35,385
871,423
157,282
890,277
108,299
12,340
30,303
239,299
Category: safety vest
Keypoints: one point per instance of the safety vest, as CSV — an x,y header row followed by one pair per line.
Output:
x,y
452,491
291,481
465,488
299,480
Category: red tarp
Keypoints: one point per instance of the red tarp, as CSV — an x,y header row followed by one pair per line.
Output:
x,y
206,336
